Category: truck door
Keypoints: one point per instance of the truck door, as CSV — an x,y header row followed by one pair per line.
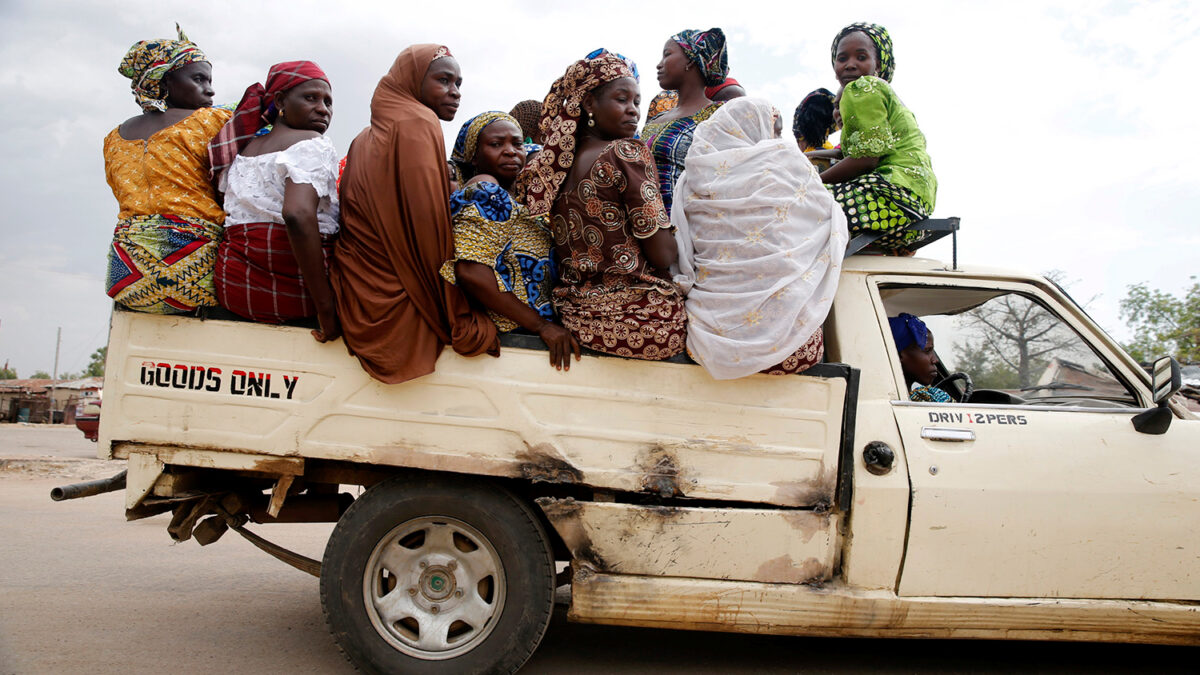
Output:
x,y
1047,490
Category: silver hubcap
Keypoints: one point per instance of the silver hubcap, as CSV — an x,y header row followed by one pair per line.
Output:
x,y
434,587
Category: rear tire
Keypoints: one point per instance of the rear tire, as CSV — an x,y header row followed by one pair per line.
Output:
x,y
432,574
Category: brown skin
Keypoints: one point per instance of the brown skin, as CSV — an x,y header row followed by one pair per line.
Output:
x,y
855,58
676,71
920,365
439,88
305,112
188,88
499,157
614,108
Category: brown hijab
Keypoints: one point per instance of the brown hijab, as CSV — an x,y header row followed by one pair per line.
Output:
x,y
397,311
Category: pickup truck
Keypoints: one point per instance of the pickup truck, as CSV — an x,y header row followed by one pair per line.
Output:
x,y
825,503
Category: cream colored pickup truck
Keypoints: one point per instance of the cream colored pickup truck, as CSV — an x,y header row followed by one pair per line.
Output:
x,y
1062,506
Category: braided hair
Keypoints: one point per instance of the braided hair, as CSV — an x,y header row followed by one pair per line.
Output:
x,y
813,121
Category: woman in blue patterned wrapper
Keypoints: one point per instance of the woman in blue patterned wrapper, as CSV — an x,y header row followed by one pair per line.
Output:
x,y
691,61
501,253
885,181
918,361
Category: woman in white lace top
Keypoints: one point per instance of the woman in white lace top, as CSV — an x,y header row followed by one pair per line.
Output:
x,y
281,201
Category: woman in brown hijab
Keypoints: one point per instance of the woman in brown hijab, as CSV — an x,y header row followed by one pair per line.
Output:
x,y
397,311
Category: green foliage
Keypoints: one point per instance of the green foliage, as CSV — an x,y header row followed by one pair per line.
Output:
x,y
986,369
40,375
1163,324
95,367
8,373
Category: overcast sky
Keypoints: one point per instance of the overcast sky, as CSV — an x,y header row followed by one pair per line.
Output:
x,y
1054,127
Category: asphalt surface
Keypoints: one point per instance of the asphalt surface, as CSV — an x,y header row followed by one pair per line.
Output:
x,y
84,591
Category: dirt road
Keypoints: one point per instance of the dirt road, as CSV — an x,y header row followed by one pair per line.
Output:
x,y
83,591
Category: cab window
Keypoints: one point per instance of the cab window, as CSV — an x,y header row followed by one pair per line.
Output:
x,y
1011,348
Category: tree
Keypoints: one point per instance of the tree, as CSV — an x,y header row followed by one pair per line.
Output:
x,y
7,373
95,367
40,375
1010,340
1162,323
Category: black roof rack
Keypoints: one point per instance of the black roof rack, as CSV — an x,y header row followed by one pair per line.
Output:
x,y
936,229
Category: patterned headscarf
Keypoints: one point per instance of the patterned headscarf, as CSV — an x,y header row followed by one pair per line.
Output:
x,y
257,109
883,46
539,182
468,136
908,330
597,53
147,62
706,49
528,114
813,121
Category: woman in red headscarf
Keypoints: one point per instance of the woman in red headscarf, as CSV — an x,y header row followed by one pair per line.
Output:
x,y
280,199
397,311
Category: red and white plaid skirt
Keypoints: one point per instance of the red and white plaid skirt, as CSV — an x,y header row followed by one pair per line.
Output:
x,y
257,276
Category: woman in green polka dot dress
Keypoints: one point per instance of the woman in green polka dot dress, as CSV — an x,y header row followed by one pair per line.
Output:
x,y
885,181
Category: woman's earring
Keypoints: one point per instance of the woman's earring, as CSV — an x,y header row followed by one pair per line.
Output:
x,y
591,121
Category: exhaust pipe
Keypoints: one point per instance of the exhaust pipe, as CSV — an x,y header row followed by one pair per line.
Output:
x,y
89,488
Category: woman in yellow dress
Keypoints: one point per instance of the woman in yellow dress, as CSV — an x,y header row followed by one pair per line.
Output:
x,y
165,242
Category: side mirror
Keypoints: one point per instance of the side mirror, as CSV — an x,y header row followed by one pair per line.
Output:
x,y
1166,379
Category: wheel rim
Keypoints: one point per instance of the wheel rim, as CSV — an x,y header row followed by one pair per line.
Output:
x,y
434,587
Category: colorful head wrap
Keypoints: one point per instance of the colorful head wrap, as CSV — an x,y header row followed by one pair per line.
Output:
x,y
813,121
597,53
528,114
257,109
908,330
709,92
883,46
538,184
662,102
706,49
468,136
147,62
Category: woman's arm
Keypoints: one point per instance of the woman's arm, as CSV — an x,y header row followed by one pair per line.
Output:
x,y
479,281
831,153
300,203
661,250
848,169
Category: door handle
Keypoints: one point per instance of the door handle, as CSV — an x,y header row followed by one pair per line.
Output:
x,y
947,434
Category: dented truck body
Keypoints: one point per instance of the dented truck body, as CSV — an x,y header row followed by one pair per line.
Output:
x,y
680,501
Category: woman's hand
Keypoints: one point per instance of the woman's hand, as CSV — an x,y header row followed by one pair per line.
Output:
x,y
331,328
561,344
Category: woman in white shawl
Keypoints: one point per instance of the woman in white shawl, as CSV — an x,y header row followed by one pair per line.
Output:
x,y
761,243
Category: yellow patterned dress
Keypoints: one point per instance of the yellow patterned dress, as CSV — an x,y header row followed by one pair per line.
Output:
x,y
165,242
493,229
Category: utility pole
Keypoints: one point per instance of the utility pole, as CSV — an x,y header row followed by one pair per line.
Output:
x,y
57,345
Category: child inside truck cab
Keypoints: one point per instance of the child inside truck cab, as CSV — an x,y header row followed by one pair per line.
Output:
x,y
918,361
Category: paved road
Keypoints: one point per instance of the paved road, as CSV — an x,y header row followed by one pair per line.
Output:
x,y
83,591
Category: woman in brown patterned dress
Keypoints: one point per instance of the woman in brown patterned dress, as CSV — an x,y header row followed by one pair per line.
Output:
x,y
611,233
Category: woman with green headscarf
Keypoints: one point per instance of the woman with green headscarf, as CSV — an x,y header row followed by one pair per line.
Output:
x,y
885,181
165,242
501,253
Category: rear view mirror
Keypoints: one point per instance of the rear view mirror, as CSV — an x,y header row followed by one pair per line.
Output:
x,y
1165,380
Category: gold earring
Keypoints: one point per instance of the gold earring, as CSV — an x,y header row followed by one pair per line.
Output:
x,y
591,121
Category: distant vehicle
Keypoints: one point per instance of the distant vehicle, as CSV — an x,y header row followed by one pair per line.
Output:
x,y
87,420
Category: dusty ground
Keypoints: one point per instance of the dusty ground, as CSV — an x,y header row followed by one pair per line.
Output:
x,y
83,591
